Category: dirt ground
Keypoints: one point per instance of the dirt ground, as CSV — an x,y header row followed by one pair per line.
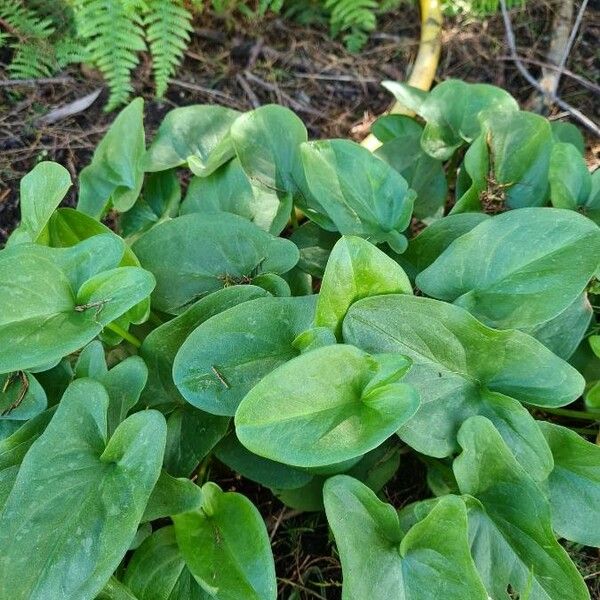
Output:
x,y
337,94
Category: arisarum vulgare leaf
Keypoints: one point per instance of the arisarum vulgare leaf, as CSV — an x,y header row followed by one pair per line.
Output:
x,y
230,352
510,528
195,135
450,111
194,255
230,190
226,547
157,571
355,269
428,562
60,299
463,368
480,271
573,486
42,190
326,406
115,175
78,499
358,192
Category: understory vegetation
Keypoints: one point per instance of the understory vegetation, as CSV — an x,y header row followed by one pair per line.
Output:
x,y
312,317
42,38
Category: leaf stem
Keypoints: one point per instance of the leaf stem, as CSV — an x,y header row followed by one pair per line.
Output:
x,y
572,414
124,334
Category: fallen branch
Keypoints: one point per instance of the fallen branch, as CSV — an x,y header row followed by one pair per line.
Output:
x,y
34,82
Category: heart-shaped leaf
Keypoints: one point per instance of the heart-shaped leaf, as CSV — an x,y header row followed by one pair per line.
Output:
x,y
358,192
157,571
227,354
429,562
115,175
197,135
226,547
60,299
574,485
509,521
355,269
230,190
194,255
326,406
462,368
559,254
42,190
450,111
56,539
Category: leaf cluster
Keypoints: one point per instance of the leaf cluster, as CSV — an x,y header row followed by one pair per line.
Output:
x,y
282,318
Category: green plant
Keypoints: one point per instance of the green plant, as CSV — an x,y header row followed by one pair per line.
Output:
x,y
130,362
41,40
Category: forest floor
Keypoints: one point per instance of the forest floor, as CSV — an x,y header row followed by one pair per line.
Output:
x,y
337,94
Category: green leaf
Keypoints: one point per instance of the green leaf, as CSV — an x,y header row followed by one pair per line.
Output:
x,y
191,435
194,255
197,135
326,406
563,333
91,361
161,345
157,571
573,487
410,97
21,398
391,126
124,384
42,190
115,175
56,539
450,111
14,447
424,174
315,245
172,496
60,299
226,547
463,368
563,131
356,269
425,248
229,190
570,180
232,351
509,521
430,562
267,142
557,255
262,470
67,227
515,147
358,192
159,201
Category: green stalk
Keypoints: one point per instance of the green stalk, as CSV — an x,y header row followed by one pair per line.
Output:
x,y
572,414
124,334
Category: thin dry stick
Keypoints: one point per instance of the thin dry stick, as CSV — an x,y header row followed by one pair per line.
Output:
x,y
510,39
590,85
33,82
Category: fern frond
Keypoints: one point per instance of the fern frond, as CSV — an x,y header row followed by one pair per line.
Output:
x,y
31,61
168,27
355,15
23,23
478,7
114,35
